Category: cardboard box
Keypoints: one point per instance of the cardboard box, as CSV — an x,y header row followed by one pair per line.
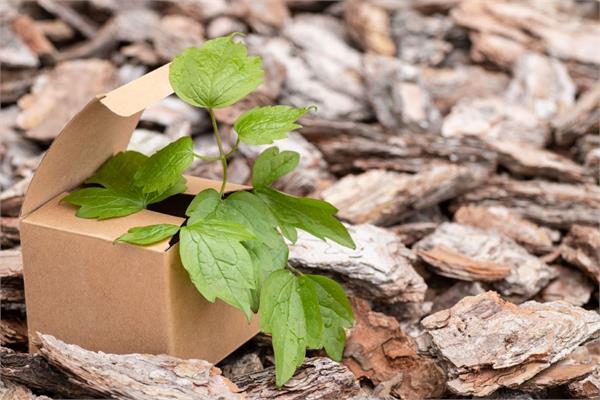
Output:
x,y
119,298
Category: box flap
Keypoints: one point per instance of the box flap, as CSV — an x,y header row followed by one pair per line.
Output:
x,y
101,129
140,93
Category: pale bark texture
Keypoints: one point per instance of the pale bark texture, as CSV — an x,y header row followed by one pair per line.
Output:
x,y
380,268
581,248
489,343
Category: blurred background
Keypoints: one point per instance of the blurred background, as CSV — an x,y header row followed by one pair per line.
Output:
x,y
455,124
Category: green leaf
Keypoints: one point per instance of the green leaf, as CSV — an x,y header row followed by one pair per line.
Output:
x,y
265,260
271,165
247,209
145,235
282,315
104,203
313,216
156,197
336,314
204,204
263,125
118,171
218,264
312,312
215,75
164,168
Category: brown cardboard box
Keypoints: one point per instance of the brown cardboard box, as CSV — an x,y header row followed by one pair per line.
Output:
x,y
119,298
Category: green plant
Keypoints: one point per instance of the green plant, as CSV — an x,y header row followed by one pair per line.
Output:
x,y
232,244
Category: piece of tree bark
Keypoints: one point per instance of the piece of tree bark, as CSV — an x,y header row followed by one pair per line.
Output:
x,y
536,239
266,17
378,349
12,391
448,86
317,378
380,268
419,38
13,333
496,119
56,97
386,198
11,264
468,253
589,386
55,30
411,232
100,45
398,96
581,248
14,51
526,160
452,295
489,343
580,119
558,205
137,376
175,33
369,26
9,231
34,372
570,285
25,27
246,364
541,84
67,14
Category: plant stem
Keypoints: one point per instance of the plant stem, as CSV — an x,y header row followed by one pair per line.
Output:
x,y
222,154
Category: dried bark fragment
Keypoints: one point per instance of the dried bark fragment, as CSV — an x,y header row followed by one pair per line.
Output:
x,y
419,38
136,24
69,15
449,297
582,118
33,371
13,333
28,31
317,378
246,364
542,84
385,198
526,160
9,231
14,52
570,285
176,33
579,364
468,253
449,85
398,96
223,26
369,26
581,248
11,264
379,350
137,376
264,16
489,343
558,205
11,391
56,96
496,119
411,232
56,30
536,239
588,387
380,267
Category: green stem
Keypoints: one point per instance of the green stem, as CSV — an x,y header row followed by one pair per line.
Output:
x,y
206,158
222,154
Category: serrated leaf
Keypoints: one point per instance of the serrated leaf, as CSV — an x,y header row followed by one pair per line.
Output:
x,y
247,209
215,75
204,204
104,203
263,125
265,260
282,315
271,165
145,235
312,312
164,168
336,314
218,264
313,216
118,171
156,197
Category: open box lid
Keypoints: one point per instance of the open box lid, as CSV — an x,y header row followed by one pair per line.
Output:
x,y
102,128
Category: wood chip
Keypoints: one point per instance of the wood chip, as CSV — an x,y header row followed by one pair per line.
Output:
x,y
13,333
468,253
570,285
580,119
588,387
317,378
378,349
497,119
558,205
35,39
11,264
56,30
536,239
380,267
69,15
136,24
448,86
581,248
369,26
386,198
398,96
137,376
13,391
265,17
489,343
542,84
14,52
56,97
176,33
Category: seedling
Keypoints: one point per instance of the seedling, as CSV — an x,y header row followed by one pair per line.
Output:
x,y
232,244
